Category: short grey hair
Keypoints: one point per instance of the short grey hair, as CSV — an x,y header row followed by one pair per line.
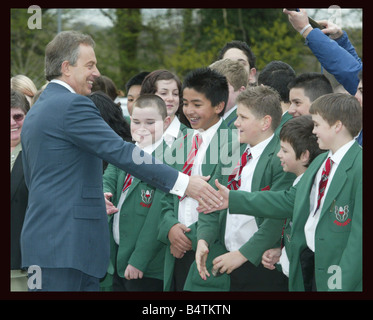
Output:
x,y
64,47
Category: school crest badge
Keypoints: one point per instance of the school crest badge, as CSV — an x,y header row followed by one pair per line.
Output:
x,y
147,198
341,216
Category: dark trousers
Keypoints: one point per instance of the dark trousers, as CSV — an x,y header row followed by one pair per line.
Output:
x,y
144,284
181,270
248,277
66,279
307,262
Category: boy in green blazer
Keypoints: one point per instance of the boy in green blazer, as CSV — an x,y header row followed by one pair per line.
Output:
x,y
137,257
298,149
237,76
326,237
205,93
259,113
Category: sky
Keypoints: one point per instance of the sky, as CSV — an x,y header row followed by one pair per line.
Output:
x,y
342,16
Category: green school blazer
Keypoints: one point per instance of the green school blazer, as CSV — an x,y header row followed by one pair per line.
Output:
x,y
268,175
338,237
139,218
221,142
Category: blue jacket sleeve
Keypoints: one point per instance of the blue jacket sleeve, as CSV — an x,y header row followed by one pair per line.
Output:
x,y
337,57
85,128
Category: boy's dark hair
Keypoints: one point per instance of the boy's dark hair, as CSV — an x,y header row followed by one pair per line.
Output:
x,y
262,101
242,46
298,132
342,107
210,83
277,75
149,100
314,84
136,80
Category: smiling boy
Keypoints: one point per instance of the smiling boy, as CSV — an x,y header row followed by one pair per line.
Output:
x,y
205,94
245,239
136,255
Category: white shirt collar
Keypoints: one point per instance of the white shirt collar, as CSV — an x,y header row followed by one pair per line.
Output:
x,y
209,133
172,131
150,148
339,154
257,150
64,84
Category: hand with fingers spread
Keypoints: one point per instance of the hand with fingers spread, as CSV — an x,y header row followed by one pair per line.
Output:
x,y
201,257
110,208
224,196
179,241
228,262
200,190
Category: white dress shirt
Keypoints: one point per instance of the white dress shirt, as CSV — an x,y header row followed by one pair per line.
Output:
x,y
313,220
188,213
172,131
284,260
239,227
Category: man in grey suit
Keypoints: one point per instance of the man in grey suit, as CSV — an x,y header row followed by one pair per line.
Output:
x,y
64,140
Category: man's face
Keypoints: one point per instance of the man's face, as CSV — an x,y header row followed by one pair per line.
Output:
x,y
82,75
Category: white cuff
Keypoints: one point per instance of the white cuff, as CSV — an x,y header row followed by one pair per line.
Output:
x,y
181,185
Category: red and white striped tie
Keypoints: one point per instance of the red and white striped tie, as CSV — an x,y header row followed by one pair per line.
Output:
x,y
234,182
323,182
187,168
127,182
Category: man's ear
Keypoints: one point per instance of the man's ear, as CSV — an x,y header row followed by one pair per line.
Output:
x,y
65,68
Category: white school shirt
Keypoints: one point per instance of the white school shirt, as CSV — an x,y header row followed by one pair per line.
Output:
x,y
172,131
188,213
239,227
182,180
313,220
284,260
149,149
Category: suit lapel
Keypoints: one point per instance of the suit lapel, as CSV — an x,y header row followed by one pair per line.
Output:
x,y
261,166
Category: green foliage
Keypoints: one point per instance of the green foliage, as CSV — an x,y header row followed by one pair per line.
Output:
x,y
281,43
187,58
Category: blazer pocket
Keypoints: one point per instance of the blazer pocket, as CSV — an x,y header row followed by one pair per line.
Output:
x,y
88,212
92,192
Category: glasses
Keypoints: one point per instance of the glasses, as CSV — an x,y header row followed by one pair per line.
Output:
x,y
18,117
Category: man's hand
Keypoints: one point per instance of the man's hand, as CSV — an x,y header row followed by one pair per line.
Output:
x,y
201,257
271,257
331,29
178,239
228,262
224,196
133,273
110,208
200,190
298,19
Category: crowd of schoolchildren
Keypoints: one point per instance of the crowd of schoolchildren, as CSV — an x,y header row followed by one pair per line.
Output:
x,y
284,151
